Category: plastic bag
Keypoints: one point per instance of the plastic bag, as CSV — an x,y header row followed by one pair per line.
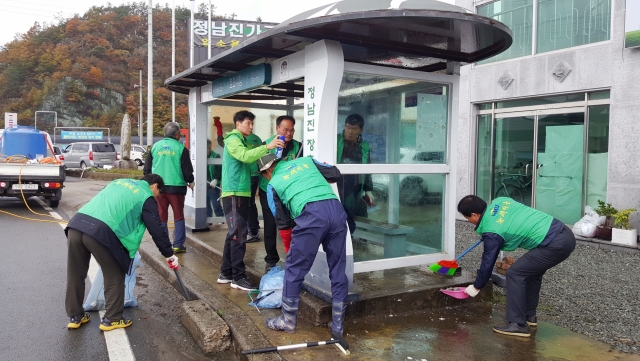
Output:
x,y
95,299
271,284
587,225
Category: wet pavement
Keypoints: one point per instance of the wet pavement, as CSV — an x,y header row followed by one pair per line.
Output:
x,y
455,330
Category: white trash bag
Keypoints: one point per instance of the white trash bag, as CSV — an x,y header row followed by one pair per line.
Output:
x,y
95,299
586,226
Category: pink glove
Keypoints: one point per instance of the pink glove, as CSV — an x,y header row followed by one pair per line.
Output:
x,y
285,234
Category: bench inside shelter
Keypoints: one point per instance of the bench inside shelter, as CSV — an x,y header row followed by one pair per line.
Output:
x,y
393,237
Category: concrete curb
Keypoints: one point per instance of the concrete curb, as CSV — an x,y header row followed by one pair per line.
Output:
x,y
244,334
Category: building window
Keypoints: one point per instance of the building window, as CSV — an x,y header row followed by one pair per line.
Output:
x,y
566,23
518,16
560,24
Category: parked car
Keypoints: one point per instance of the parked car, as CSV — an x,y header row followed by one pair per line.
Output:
x,y
137,152
89,154
58,154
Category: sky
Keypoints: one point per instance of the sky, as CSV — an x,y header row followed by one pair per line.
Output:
x,y
19,16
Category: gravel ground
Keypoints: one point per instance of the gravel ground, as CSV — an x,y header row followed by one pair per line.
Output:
x,y
593,292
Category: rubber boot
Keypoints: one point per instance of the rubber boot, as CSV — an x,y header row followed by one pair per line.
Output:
x,y
287,320
179,234
336,326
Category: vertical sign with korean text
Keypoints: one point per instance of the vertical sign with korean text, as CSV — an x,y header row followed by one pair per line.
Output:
x,y
10,120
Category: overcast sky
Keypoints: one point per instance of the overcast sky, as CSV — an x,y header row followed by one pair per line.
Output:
x,y
19,16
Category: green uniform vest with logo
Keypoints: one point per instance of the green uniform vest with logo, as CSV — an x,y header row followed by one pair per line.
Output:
x,y
253,141
119,206
519,225
299,182
236,175
167,155
290,156
364,145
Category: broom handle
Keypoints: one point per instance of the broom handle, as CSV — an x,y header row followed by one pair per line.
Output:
x,y
469,249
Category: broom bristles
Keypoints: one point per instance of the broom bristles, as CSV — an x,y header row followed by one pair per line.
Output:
x,y
444,267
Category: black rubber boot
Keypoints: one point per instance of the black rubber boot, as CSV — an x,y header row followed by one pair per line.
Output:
x,y
336,326
287,320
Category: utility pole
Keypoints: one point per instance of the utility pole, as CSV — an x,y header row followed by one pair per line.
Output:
x,y
209,32
191,37
173,58
150,75
140,117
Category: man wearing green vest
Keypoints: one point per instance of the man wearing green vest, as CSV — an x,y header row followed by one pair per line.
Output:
x,y
110,227
352,149
170,159
236,193
309,213
507,225
285,125
253,141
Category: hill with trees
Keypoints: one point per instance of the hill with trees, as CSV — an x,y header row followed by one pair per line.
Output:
x,y
85,68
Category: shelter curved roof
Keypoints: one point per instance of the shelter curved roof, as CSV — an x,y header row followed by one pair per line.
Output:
x,y
421,35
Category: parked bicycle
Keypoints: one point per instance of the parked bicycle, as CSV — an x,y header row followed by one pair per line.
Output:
x,y
513,185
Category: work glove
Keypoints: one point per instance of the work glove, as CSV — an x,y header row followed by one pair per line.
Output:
x,y
369,194
471,291
191,185
221,141
285,234
213,183
218,125
173,262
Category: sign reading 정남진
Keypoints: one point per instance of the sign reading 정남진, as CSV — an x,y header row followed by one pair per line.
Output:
x,y
66,134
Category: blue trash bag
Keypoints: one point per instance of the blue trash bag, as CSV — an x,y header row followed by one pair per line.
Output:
x,y
95,299
270,295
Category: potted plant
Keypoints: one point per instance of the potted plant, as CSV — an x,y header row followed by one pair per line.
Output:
x,y
622,233
606,210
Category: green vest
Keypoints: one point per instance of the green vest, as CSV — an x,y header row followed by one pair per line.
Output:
x,y
119,205
167,154
299,182
290,156
214,171
364,145
519,225
236,174
253,141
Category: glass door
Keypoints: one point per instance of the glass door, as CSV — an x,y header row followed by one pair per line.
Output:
x,y
560,163
513,157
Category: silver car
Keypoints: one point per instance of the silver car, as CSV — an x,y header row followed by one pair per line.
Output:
x,y
89,154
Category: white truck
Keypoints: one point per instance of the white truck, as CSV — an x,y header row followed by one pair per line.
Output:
x,y
18,178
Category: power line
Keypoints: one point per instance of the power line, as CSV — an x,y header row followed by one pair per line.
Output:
x,y
18,12
49,5
31,9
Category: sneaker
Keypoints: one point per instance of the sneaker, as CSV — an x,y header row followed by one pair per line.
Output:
x,y
77,321
269,266
532,320
251,238
224,279
243,284
513,329
177,250
107,325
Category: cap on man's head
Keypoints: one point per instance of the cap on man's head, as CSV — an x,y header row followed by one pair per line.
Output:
x,y
266,161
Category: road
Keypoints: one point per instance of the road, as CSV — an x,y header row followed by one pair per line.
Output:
x,y
33,280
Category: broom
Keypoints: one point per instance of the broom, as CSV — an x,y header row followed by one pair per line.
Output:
x,y
449,267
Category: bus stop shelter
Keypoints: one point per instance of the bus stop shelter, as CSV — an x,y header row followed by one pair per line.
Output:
x,y
396,64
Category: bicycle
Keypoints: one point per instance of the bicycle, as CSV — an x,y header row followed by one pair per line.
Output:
x,y
517,184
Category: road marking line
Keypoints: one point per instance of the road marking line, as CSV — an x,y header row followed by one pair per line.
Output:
x,y
118,346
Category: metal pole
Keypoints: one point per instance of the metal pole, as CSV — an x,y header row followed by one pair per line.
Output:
x,y
191,37
209,32
150,76
173,58
140,117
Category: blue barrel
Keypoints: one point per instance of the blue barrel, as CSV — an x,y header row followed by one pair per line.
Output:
x,y
26,141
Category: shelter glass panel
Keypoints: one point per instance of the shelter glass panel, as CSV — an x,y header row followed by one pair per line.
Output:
x,y
483,155
518,16
405,218
389,120
556,99
567,23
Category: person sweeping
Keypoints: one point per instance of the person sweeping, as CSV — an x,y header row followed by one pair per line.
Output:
x,y
507,225
308,214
